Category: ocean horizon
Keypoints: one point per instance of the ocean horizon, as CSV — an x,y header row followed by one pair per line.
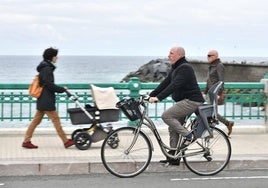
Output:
x,y
88,69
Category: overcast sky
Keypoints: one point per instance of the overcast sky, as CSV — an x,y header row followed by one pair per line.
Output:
x,y
134,27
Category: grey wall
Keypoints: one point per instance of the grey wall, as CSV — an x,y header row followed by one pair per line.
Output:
x,y
233,72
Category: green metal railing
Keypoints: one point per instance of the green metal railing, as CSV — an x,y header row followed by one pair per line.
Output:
x,y
244,100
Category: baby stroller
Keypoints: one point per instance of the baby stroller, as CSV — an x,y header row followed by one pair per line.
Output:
x,y
104,110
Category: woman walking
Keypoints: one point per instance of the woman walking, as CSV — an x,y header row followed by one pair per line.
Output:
x,y
46,102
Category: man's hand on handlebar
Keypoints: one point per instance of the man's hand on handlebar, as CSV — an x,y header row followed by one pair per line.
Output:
x,y
153,99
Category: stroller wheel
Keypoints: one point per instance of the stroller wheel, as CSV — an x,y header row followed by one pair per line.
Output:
x,y
74,134
113,141
82,140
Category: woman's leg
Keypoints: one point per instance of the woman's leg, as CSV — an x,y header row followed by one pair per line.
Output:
x,y
35,122
53,115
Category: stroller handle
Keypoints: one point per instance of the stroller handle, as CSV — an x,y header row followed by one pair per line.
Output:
x,y
71,96
68,93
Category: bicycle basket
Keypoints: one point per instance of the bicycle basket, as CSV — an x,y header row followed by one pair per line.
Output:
x,y
130,107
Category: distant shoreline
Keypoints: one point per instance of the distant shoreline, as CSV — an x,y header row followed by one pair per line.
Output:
x,y
225,59
105,69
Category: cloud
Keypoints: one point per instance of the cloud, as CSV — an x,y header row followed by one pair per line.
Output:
x,y
134,26
46,31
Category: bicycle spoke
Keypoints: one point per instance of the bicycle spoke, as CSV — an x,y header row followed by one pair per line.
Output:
x,y
131,156
214,157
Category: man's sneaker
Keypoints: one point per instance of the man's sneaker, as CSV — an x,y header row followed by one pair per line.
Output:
x,y
230,127
69,143
29,145
188,140
170,160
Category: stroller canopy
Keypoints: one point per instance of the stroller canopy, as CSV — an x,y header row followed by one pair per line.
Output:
x,y
104,98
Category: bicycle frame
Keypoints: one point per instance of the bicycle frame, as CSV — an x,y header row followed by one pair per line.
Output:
x,y
179,153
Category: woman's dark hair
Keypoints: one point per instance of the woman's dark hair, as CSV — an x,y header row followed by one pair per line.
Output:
x,y
50,53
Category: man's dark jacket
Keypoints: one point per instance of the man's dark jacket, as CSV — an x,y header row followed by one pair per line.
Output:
x,y
181,83
47,100
215,73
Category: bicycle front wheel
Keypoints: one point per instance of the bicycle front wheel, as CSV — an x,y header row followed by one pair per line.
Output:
x,y
132,154
209,155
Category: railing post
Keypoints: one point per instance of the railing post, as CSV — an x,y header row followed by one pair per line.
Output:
x,y
265,82
134,87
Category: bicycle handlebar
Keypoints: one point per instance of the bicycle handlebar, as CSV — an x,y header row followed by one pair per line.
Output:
x,y
144,97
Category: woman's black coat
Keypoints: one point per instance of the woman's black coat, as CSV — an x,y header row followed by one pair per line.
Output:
x,y
47,100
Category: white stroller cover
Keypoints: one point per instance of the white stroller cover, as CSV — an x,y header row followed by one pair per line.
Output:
x,y
104,98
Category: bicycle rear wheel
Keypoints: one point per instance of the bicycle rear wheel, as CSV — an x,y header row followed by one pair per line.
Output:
x,y
131,156
210,155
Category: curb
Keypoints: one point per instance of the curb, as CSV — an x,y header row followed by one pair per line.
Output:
x,y
64,168
240,129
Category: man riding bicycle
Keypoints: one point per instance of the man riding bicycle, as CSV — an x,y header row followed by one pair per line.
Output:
x,y
181,83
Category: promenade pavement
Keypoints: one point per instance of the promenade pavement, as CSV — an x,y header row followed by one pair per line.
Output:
x,y
249,151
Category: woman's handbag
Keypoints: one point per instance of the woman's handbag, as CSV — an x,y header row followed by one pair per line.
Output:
x,y
221,97
35,89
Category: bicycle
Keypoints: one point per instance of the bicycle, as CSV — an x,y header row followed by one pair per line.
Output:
x,y
208,154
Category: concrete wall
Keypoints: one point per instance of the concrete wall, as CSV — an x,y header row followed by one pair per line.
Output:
x,y
233,72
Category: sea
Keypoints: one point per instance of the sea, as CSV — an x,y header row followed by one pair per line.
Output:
x,y
87,69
